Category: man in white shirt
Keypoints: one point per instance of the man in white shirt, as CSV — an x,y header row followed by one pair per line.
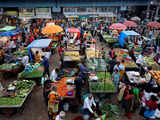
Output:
x,y
89,103
54,75
25,60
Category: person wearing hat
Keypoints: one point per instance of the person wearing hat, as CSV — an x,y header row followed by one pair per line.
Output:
x,y
53,103
61,116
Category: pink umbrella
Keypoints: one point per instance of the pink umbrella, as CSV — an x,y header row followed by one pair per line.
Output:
x,y
117,26
154,24
73,30
130,24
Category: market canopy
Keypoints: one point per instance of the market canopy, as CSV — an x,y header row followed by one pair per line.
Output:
x,y
40,43
117,26
124,35
73,30
130,24
10,33
154,24
136,18
52,29
8,28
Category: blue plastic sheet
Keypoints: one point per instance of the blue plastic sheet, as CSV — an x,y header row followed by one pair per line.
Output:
x,y
10,33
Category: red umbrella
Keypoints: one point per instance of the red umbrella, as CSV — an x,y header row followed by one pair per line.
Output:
x,y
154,24
117,26
73,30
130,24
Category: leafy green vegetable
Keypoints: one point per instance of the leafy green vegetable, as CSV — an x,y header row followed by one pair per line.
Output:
x,y
21,52
34,74
8,101
8,66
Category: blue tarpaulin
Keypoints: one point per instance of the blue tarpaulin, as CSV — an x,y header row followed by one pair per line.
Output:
x,y
40,43
10,33
124,35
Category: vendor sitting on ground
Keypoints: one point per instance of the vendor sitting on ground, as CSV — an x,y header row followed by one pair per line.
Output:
x,y
89,103
37,57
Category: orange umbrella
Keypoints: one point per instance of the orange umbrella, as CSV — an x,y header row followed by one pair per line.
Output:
x,y
52,29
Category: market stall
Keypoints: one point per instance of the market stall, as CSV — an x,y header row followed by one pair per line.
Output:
x,y
37,45
91,53
32,71
101,83
71,56
135,78
65,87
94,64
15,96
127,37
123,54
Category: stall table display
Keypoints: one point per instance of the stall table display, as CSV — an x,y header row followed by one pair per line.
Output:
x,y
73,48
122,54
65,87
134,77
149,62
21,52
71,56
109,38
103,84
14,97
10,67
92,54
156,75
32,72
96,64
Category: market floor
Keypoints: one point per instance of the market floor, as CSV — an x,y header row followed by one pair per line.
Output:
x,y
35,108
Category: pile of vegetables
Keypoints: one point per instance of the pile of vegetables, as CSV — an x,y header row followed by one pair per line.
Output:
x,y
102,87
96,64
110,39
21,90
103,75
150,62
22,52
113,111
36,73
8,66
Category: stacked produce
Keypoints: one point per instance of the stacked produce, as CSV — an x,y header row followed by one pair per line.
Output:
x,y
72,47
109,39
92,54
16,93
71,53
150,62
156,75
21,52
96,64
122,54
33,73
8,67
104,83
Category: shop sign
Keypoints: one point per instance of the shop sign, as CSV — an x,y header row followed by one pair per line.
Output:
x,y
26,12
43,13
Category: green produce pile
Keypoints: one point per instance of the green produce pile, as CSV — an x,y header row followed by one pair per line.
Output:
x,y
102,87
54,44
22,52
34,74
8,66
113,111
102,75
23,87
8,101
150,62
110,39
96,64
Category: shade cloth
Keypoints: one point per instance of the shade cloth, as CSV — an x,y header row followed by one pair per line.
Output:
x,y
124,35
10,33
154,24
8,28
130,24
51,29
117,26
